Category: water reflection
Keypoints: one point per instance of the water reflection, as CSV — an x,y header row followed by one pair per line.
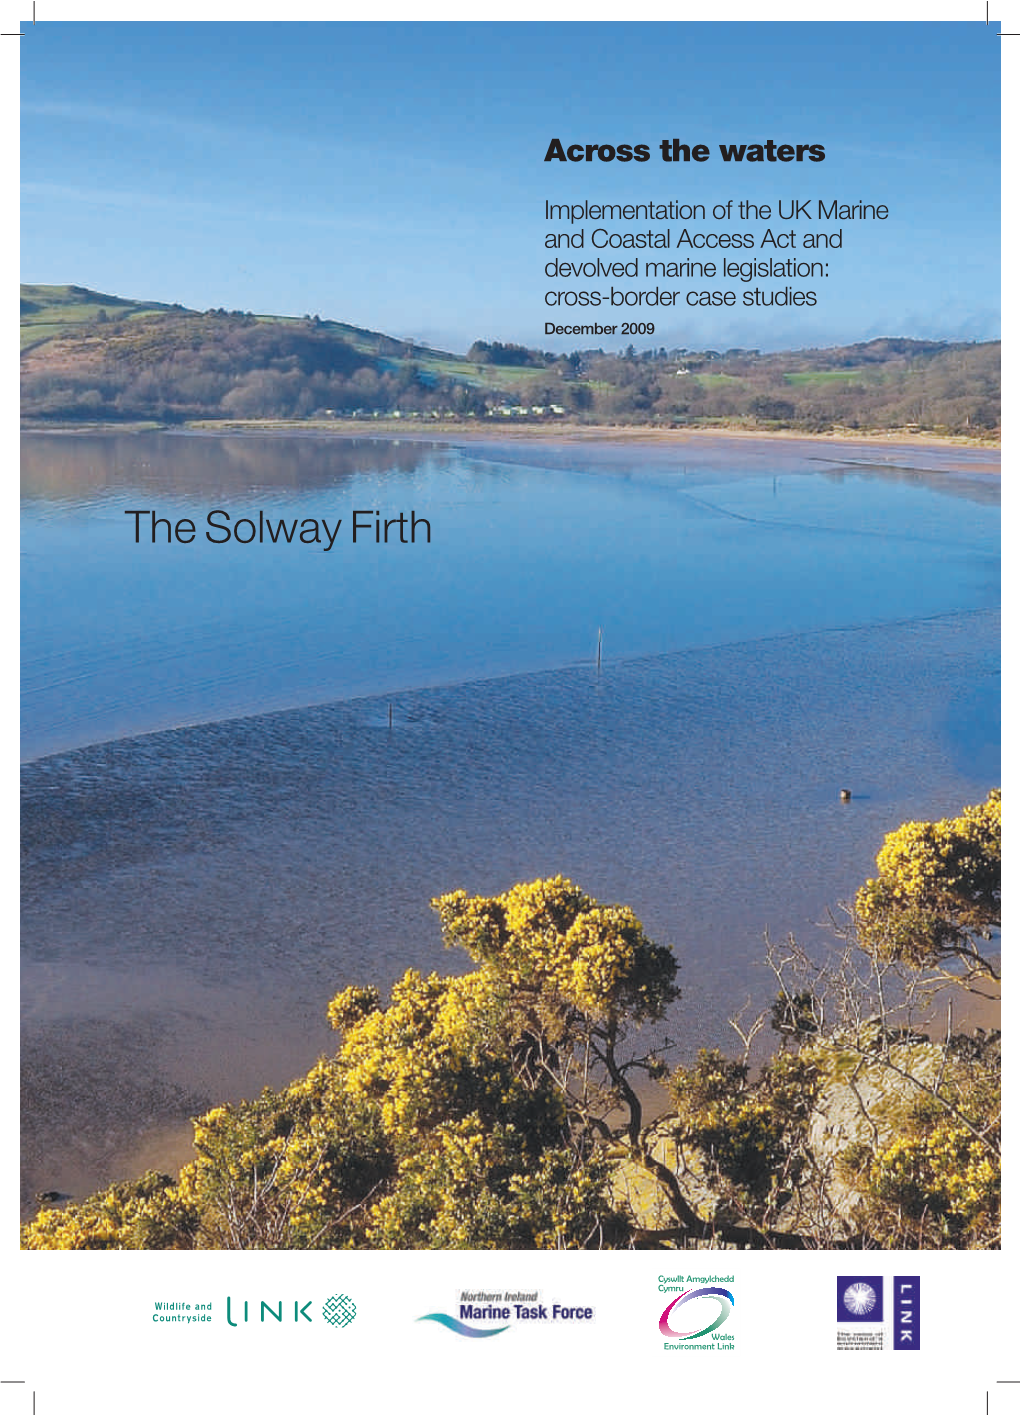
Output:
x,y
526,560
193,897
76,469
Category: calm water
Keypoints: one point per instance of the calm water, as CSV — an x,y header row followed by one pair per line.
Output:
x,y
527,560
776,627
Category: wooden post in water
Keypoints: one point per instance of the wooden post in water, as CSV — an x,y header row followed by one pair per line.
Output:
x,y
391,717
598,651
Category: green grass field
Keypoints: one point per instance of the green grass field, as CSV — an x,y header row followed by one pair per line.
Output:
x,y
821,379
47,311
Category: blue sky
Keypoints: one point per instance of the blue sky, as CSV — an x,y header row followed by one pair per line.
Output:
x,y
392,174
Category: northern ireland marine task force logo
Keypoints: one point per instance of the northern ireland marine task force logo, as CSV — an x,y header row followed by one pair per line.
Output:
x,y
506,1309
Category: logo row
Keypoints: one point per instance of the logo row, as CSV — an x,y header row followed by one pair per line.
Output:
x,y
699,1314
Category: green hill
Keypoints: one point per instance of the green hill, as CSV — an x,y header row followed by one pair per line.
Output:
x,y
48,311
90,356
94,357
51,311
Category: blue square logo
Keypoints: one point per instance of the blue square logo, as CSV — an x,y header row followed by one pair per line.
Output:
x,y
859,1299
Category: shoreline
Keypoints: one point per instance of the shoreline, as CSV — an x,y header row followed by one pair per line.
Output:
x,y
178,1001
440,430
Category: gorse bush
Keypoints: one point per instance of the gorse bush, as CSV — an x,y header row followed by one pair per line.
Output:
x,y
465,1113
936,898
504,1108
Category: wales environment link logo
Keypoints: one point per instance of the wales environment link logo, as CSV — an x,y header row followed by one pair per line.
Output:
x,y
720,1295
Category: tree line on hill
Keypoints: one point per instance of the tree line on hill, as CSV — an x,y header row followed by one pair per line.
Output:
x,y
176,365
219,365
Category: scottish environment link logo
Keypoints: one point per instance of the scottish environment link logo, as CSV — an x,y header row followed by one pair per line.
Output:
x,y
906,1313
859,1314
859,1299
